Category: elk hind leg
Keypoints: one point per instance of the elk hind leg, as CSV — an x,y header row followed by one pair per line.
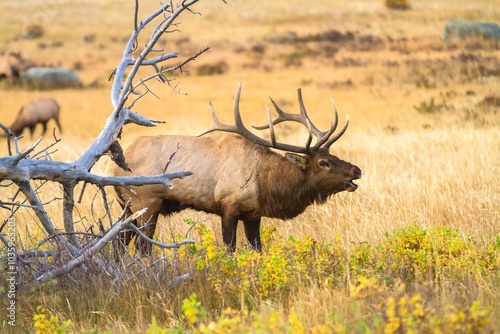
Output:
x,y
229,227
252,233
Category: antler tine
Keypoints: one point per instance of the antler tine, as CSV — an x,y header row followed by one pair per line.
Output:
x,y
334,126
244,132
217,124
281,117
310,138
312,128
326,134
237,115
341,132
338,135
301,117
271,127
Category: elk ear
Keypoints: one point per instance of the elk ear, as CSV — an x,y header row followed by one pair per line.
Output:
x,y
296,159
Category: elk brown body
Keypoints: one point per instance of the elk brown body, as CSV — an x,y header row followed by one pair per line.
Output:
x,y
39,111
233,177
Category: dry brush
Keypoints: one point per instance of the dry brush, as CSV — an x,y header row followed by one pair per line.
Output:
x,y
23,168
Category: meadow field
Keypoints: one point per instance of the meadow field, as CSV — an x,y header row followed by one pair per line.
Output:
x,y
415,249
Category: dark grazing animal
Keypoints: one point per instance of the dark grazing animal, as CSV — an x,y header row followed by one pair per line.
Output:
x,y
236,176
10,69
33,113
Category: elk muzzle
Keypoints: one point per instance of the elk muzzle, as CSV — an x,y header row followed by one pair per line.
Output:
x,y
356,174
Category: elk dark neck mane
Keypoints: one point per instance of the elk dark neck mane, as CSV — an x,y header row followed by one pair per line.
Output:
x,y
285,191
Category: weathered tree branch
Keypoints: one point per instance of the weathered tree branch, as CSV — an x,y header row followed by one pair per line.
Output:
x,y
159,72
88,253
120,91
64,172
8,136
42,215
68,206
160,244
23,167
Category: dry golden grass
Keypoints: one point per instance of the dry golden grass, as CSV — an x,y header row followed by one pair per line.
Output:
x,y
439,169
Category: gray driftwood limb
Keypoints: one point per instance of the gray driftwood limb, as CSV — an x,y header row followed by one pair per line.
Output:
x,y
22,167
90,252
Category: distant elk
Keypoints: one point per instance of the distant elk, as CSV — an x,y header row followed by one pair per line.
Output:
x,y
39,111
10,69
236,176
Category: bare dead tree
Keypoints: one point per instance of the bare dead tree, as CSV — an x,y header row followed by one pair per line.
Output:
x,y
21,168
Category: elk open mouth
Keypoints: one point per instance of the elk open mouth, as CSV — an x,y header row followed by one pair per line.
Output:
x,y
350,186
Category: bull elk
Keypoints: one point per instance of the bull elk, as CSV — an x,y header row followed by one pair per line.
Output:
x,y
39,111
236,176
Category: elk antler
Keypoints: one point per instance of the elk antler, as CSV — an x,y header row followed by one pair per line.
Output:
x,y
324,138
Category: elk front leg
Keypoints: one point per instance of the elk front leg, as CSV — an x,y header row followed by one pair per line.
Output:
x,y
252,232
229,226
58,124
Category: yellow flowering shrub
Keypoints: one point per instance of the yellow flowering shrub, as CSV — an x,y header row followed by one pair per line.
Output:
x,y
46,323
435,253
192,309
401,285
233,321
409,314
398,313
248,279
283,266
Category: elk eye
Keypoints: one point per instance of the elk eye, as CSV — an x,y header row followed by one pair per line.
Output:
x,y
324,163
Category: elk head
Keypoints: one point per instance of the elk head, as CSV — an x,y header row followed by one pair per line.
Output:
x,y
325,172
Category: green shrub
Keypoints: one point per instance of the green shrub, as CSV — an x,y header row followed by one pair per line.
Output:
x,y
398,4
217,68
438,253
415,280
428,107
285,265
46,323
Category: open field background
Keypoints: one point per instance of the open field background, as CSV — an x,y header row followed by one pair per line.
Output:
x,y
433,165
